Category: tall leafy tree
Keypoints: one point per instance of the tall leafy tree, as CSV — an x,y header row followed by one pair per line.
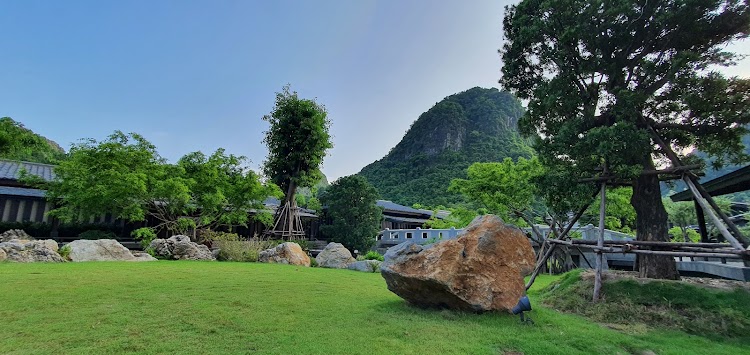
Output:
x,y
353,215
607,81
297,141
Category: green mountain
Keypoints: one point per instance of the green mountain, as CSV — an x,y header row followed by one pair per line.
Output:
x,y
477,125
20,143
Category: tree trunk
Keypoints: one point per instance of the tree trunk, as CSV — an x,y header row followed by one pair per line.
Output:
x,y
651,225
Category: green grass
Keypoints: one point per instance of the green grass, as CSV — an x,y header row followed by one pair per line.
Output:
x,y
195,307
720,314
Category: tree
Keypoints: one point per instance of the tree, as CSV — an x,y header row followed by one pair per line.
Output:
x,y
620,215
297,141
506,189
125,176
117,175
683,214
352,211
19,143
626,82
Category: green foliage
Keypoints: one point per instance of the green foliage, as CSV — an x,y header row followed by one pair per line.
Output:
x,y
242,250
606,82
620,214
677,234
145,235
657,304
20,143
459,217
96,234
477,125
297,141
354,217
114,175
505,189
65,252
373,255
125,176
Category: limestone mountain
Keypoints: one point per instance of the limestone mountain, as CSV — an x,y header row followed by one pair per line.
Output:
x,y
20,143
476,125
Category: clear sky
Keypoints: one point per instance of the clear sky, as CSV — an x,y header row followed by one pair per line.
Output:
x,y
199,75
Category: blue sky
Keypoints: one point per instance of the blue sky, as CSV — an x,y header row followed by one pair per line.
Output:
x,y
199,75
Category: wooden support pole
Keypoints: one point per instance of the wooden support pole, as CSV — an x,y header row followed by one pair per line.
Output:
x,y
652,243
719,225
600,243
539,265
701,220
730,254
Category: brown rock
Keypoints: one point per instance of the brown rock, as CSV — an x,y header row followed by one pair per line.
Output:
x,y
482,270
285,253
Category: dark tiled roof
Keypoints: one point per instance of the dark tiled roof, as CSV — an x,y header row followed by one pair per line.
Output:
x,y
21,191
391,206
11,170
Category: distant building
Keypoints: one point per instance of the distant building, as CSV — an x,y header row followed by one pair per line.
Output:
x,y
397,216
18,201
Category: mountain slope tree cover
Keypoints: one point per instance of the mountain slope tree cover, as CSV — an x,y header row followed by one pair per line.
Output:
x,y
353,215
20,143
605,78
477,125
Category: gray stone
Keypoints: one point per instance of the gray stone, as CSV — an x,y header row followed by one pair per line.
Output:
x,y
285,253
98,250
179,247
14,234
28,251
365,266
335,256
141,256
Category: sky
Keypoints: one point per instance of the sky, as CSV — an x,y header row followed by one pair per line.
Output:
x,y
199,75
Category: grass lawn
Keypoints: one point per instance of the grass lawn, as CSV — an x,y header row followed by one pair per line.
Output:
x,y
211,307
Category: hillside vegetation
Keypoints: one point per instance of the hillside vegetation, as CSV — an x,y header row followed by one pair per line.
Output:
x,y
477,125
20,143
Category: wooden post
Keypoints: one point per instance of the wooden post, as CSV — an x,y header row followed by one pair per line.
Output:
x,y
719,225
600,244
701,220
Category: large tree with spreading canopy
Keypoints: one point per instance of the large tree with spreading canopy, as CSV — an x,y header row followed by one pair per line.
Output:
x,y
629,84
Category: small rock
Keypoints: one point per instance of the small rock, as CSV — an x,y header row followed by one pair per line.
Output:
x,y
285,253
98,250
141,256
335,256
179,247
365,266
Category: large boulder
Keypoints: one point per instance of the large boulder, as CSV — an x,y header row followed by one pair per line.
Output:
x,y
180,247
365,266
15,234
98,250
285,253
3,255
141,256
481,270
28,251
335,256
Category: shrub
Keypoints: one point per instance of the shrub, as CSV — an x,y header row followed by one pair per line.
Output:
x,y
313,262
242,250
373,255
145,235
96,234
65,252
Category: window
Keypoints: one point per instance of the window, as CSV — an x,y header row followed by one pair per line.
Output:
x,y
394,235
424,235
408,235
440,235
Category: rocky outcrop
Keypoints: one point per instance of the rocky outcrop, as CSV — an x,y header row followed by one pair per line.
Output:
x,y
179,247
335,256
481,270
28,251
98,250
285,253
365,266
15,234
